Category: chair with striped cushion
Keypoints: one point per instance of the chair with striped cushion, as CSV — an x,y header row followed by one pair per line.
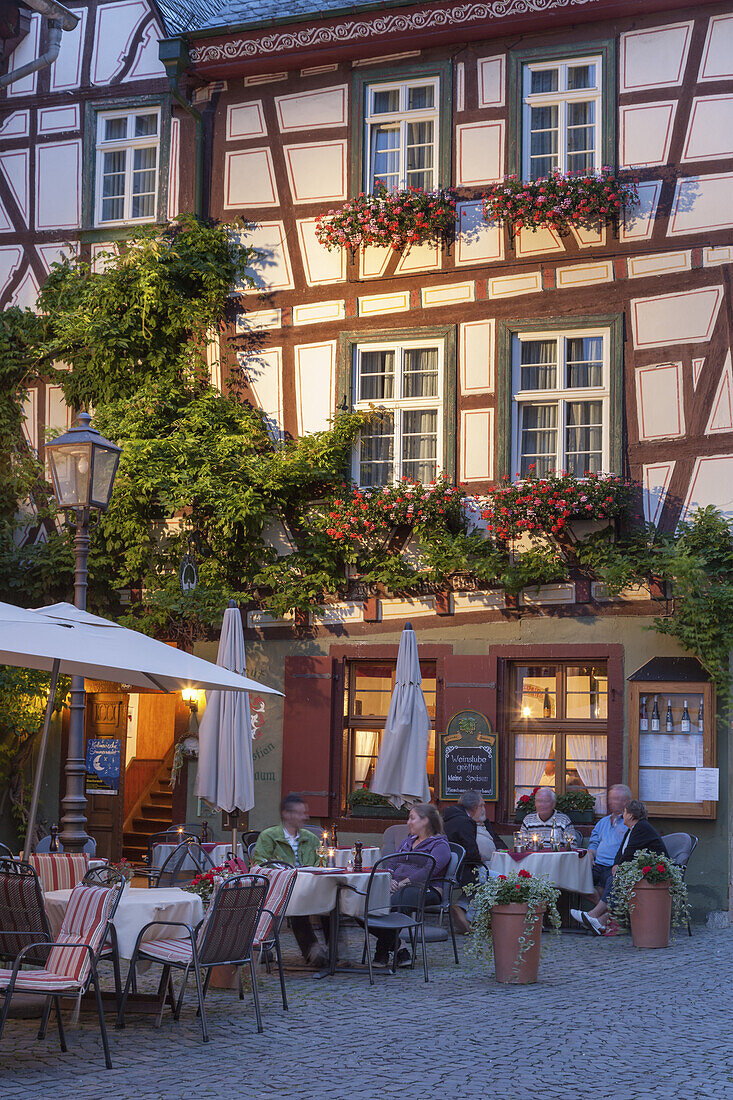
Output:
x,y
71,965
281,882
23,918
59,870
224,937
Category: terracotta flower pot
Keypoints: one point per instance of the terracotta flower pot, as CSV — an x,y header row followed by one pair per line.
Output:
x,y
650,910
507,925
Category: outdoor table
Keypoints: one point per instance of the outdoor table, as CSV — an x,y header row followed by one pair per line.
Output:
x,y
216,851
137,907
566,870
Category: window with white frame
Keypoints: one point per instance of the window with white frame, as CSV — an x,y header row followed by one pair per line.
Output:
x,y
401,138
562,117
128,152
561,387
404,381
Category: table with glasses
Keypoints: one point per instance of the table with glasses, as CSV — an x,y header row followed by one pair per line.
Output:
x,y
215,850
571,871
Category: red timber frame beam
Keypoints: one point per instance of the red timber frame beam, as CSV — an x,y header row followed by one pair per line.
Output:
x,y
393,27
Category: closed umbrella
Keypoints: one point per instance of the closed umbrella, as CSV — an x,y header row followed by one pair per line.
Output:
x,y
226,769
401,774
63,639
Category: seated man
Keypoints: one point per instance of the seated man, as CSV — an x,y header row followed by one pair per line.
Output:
x,y
292,844
466,824
607,836
545,817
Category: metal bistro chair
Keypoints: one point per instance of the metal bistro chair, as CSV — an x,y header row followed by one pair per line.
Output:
x,y
680,847
110,877
23,919
437,933
281,883
410,917
392,837
5,852
224,937
71,963
167,836
187,860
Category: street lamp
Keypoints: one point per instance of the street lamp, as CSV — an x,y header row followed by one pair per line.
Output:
x,y
83,467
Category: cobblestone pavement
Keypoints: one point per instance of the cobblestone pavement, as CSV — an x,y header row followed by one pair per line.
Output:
x,y
605,1021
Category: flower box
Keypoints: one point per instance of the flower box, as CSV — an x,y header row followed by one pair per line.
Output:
x,y
379,811
391,219
580,817
560,202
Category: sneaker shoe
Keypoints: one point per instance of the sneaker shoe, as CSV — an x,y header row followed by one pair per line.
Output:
x,y
594,924
381,957
461,923
577,915
403,957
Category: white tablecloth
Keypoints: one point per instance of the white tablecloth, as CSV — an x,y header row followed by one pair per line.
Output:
x,y
369,857
136,908
217,853
568,870
315,894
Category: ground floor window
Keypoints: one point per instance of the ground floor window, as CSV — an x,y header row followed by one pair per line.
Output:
x,y
558,716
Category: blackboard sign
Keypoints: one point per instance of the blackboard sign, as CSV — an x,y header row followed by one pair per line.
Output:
x,y
468,757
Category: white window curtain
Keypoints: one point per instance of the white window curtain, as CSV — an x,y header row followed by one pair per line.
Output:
x,y
366,744
528,773
588,753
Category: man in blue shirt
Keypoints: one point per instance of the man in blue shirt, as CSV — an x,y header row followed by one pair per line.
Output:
x,y
605,841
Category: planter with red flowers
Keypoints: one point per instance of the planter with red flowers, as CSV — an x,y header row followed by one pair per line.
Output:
x,y
560,202
507,922
650,895
391,219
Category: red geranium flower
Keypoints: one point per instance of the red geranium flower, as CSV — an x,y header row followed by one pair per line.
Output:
x,y
524,874
661,868
645,870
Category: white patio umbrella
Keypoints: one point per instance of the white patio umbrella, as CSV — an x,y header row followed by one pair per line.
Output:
x,y
401,774
63,639
225,775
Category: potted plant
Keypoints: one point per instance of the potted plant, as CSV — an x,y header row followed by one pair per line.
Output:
x,y
127,871
507,923
365,803
578,805
525,805
650,895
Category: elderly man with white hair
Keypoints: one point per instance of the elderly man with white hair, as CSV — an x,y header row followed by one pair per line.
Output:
x,y
546,817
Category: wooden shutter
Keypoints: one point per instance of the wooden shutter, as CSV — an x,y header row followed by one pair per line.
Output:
x,y
307,721
470,682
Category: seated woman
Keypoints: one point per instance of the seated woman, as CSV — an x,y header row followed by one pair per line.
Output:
x,y
425,837
641,835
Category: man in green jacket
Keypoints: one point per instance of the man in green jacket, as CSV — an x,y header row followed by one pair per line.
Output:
x,y
295,845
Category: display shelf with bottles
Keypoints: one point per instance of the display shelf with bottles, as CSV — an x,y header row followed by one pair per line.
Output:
x,y
671,736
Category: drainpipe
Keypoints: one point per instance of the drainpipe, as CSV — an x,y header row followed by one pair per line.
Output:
x,y
173,53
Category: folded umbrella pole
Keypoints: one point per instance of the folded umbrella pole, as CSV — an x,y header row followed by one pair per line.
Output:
x,y
33,811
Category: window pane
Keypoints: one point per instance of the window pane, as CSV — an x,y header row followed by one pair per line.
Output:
x,y
583,437
143,182
384,101
543,81
584,361
420,155
365,746
581,76
536,691
113,186
420,444
534,762
420,99
585,766
385,154
543,141
115,129
586,691
538,434
581,136
538,370
420,374
373,687
146,125
376,376
376,452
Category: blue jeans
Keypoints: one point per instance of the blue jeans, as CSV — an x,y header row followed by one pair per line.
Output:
x,y
601,875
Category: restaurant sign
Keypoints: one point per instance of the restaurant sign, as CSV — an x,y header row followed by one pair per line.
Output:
x,y
468,757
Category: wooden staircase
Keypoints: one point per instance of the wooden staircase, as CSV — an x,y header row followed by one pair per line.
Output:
x,y
152,814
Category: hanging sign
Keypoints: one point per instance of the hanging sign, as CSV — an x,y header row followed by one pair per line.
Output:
x,y
104,755
188,573
468,757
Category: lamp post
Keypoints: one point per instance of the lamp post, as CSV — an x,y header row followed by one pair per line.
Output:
x,y
83,467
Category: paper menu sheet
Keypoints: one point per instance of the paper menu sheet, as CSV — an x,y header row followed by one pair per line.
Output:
x,y
667,785
706,784
672,750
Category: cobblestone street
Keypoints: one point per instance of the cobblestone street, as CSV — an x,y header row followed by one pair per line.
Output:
x,y
605,1020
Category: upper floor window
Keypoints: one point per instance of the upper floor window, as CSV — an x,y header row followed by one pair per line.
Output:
x,y
401,135
128,150
562,117
405,381
561,392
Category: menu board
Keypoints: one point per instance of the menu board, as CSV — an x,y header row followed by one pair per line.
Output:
x,y
468,757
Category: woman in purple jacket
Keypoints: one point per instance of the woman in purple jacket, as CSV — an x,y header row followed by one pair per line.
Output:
x,y
427,838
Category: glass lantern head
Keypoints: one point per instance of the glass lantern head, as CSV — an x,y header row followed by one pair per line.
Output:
x,y
83,466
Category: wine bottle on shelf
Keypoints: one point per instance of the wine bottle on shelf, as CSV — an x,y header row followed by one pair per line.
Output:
x,y
655,716
669,721
546,706
643,719
685,720
699,717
